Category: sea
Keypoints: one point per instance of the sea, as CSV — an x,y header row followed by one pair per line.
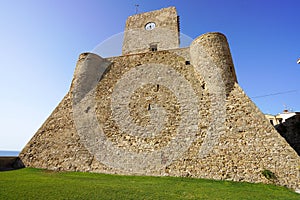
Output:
x,y
9,153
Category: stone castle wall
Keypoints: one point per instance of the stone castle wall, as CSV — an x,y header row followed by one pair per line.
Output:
x,y
156,114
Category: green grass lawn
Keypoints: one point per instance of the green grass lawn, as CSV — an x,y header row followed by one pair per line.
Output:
x,y
31,183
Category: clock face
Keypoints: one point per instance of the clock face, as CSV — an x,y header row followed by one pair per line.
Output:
x,y
150,26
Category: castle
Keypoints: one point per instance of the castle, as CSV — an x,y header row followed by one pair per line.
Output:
x,y
162,110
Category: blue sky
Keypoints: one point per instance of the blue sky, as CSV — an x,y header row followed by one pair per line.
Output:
x,y
41,41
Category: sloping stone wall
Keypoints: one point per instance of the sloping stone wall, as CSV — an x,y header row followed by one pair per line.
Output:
x,y
155,114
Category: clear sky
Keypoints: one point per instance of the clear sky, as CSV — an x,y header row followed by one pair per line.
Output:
x,y
41,41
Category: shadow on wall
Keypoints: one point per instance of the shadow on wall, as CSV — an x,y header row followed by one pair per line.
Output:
x,y
10,163
290,130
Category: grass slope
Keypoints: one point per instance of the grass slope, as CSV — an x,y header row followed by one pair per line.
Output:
x,y
42,184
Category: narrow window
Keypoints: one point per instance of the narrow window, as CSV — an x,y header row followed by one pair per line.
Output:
x,y
153,47
149,107
187,62
271,121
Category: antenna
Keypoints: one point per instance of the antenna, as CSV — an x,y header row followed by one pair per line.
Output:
x,y
136,8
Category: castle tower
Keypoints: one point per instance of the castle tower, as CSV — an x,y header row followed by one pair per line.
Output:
x,y
151,31
162,110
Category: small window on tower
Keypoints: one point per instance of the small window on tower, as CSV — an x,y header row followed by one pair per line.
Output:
x,y
153,47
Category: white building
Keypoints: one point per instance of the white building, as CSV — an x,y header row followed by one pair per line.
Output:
x,y
281,117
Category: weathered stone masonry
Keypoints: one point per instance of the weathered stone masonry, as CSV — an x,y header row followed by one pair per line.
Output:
x,y
154,113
